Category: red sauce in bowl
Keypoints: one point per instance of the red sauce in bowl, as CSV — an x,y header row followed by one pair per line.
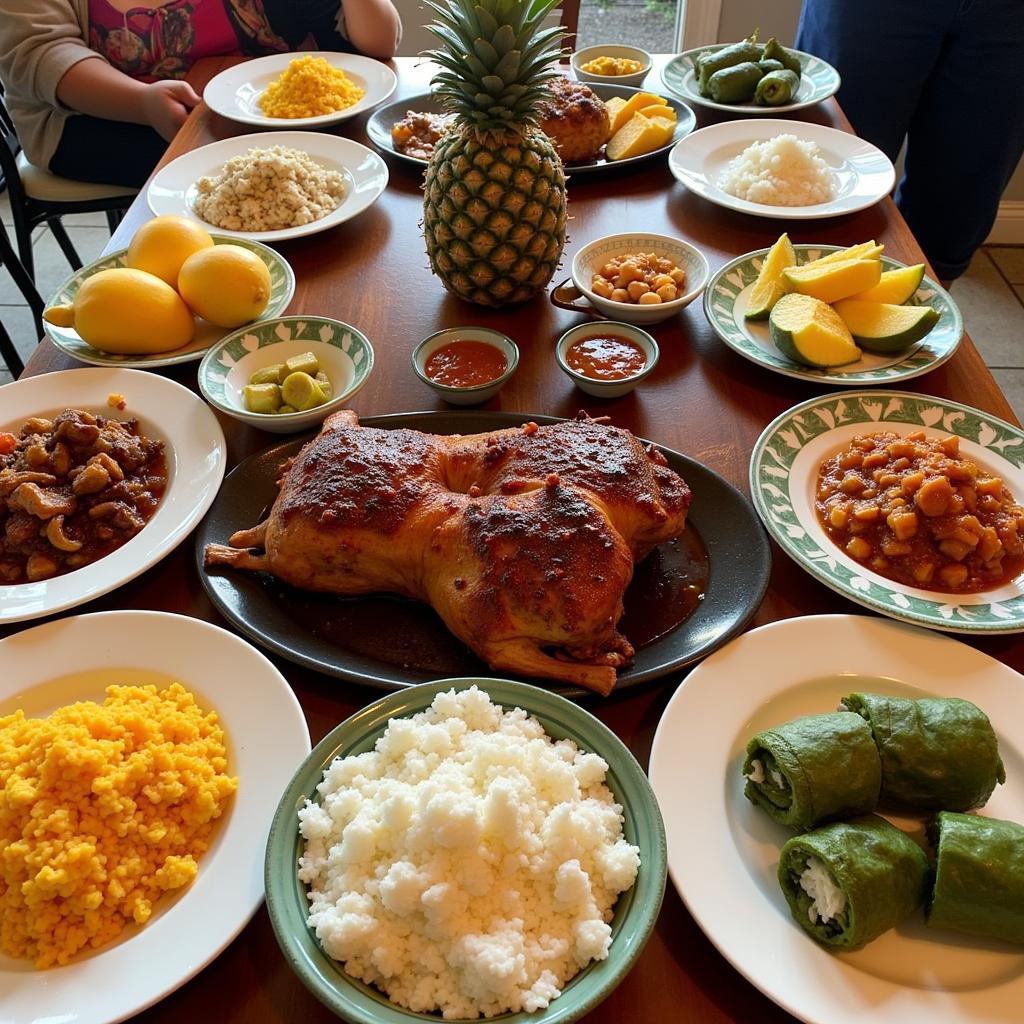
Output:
x,y
606,357
465,364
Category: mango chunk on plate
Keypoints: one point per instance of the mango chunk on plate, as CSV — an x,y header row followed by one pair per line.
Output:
x,y
811,332
833,281
883,326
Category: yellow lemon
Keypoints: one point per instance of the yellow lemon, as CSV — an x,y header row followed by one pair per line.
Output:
x,y
128,311
163,244
227,285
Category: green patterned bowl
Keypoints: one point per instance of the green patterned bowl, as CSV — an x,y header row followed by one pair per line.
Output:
x,y
344,354
783,480
635,911
728,293
282,288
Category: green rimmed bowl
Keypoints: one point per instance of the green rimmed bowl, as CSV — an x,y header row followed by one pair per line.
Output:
x,y
635,912
343,352
727,297
282,288
783,481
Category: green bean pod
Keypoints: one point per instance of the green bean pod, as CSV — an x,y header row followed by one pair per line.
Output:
x,y
774,50
727,57
736,84
776,89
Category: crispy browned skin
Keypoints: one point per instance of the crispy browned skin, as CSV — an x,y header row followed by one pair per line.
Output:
x,y
523,540
575,119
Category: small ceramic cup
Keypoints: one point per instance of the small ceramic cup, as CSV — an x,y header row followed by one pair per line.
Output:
x,y
466,395
588,53
607,388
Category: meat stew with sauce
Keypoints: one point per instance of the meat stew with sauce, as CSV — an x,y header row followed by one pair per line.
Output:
x,y
915,510
73,489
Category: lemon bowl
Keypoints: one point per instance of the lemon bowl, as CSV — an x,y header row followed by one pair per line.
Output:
x,y
343,352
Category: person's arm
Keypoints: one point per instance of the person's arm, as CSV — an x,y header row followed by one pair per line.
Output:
x,y
373,27
94,87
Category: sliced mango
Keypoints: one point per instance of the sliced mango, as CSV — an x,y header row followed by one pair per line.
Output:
x,y
861,251
613,106
632,106
769,286
883,326
659,110
809,331
639,135
895,286
833,281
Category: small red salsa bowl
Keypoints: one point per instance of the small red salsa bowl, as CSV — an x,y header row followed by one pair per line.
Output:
x,y
466,365
606,358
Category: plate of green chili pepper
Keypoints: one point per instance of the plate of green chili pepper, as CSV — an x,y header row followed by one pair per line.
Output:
x,y
749,77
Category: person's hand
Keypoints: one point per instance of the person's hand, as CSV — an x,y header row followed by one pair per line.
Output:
x,y
166,105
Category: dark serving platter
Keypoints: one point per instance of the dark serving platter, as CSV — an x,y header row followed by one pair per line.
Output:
x,y
389,642
378,127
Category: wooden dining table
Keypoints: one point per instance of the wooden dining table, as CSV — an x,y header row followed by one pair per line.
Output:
x,y
703,400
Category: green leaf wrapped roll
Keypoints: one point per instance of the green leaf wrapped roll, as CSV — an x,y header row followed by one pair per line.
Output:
x,y
979,876
813,769
849,882
937,752
736,84
774,50
776,89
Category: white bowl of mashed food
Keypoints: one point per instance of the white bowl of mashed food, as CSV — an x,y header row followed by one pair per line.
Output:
x,y
453,825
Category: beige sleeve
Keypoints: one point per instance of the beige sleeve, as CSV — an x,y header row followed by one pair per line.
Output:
x,y
39,41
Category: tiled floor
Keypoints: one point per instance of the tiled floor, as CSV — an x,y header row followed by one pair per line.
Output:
x,y
990,294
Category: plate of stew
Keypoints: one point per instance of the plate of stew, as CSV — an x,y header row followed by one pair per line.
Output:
x,y
910,505
688,597
103,471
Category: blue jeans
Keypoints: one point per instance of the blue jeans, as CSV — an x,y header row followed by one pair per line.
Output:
x,y
949,76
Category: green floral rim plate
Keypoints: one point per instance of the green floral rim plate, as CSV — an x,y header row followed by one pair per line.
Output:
x,y
725,303
635,912
783,478
282,287
348,365
818,81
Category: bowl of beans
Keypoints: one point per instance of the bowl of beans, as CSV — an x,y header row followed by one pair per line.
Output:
x,y
606,359
466,365
638,278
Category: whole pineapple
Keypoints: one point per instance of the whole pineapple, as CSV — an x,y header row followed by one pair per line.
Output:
x,y
494,205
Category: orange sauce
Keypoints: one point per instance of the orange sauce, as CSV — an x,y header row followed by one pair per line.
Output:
x,y
466,364
606,357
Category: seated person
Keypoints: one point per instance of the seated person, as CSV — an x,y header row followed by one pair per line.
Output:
x,y
96,87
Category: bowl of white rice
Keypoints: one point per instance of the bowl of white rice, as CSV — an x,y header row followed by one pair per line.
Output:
x,y
463,849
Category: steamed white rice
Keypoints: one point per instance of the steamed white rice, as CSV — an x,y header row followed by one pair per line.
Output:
x,y
784,171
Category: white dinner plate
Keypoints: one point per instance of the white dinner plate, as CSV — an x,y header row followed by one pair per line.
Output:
x,y
173,189
194,449
75,658
235,92
784,467
863,174
723,851
818,81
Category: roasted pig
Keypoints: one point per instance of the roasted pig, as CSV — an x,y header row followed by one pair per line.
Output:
x,y
523,540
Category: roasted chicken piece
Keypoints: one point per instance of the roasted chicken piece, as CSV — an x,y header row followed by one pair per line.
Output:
x,y
575,119
523,540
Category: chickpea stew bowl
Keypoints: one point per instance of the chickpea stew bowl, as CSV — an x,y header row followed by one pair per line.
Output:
x,y
639,278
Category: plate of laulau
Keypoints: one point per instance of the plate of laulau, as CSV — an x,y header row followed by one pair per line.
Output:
x,y
904,503
307,90
817,80
156,747
304,183
850,902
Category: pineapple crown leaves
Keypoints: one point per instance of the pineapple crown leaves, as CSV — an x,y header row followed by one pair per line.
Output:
x,y
496,60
